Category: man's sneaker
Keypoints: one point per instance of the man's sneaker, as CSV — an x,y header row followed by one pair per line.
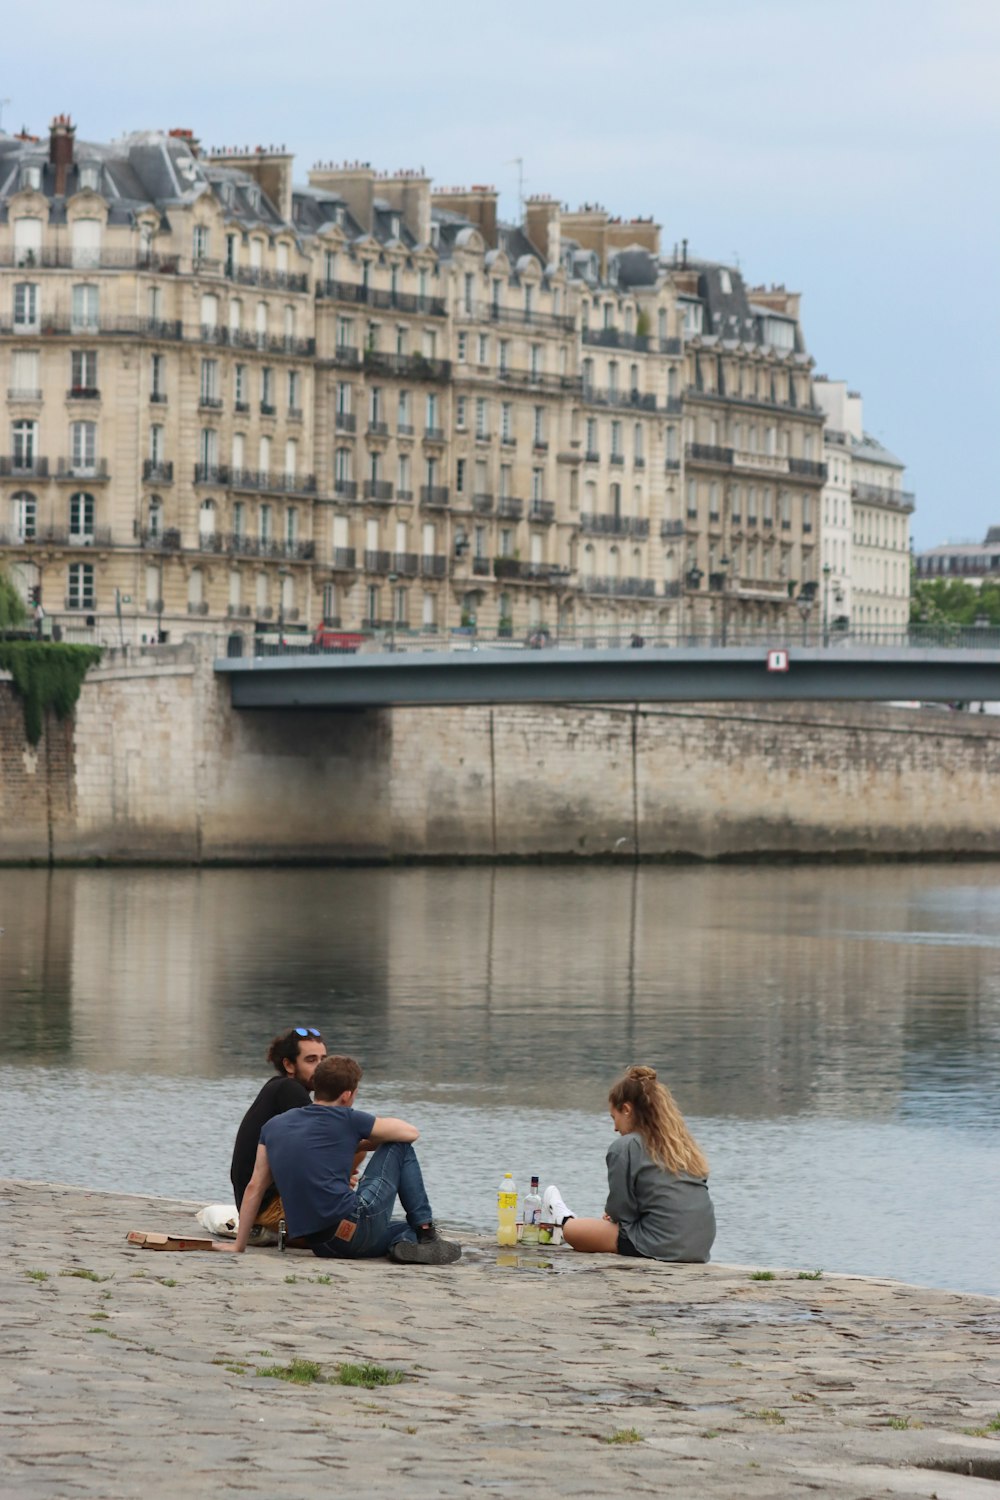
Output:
x,y
554,1210
429,1249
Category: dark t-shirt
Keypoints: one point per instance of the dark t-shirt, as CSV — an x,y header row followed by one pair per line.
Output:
x,y
278,1095
311,1152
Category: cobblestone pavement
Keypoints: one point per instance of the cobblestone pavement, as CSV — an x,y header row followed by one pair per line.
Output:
x,y
127,1373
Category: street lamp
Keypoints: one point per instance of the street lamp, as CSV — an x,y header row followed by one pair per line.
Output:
x,y
724,562
283,573
827,570
392,611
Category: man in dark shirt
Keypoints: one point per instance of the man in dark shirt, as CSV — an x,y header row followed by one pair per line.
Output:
x,y
295,1058
309,1153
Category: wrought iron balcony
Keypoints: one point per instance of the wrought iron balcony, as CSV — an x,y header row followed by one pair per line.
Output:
x,y
369,296
881,494
433,566
160,541
345,489
347,356
413,366
493,312
433,496
282,281
709,453
644,588
217,474
377,489
482,567
672,528
542,510
377,429
406,564
84,393
24,468
509,508
616,338
433,434
345,421
23,393
629,400
608,524
197,607
94,472
276,481
807,468
528,572
344,558
378,562
482,504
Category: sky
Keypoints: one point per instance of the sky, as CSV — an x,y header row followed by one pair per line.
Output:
x,y
848,151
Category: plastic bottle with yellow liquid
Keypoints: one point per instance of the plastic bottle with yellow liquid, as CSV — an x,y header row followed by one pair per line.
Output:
x,y
507,1211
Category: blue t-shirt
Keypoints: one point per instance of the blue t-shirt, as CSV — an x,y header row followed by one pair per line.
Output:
x,y
310,1152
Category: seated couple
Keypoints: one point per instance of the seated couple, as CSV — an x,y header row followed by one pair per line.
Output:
x,y
309,1153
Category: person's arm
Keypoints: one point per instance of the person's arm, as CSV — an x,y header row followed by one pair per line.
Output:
x,y
621,1205
250,1207
388,1129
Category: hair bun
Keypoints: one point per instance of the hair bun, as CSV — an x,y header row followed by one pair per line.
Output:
x,y
642,1074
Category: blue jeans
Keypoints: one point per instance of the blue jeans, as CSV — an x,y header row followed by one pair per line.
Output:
x,y
393,1170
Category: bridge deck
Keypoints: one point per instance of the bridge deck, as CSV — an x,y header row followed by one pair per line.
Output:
x,y
657,674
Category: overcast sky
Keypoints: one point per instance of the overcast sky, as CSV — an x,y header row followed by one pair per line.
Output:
x,y
849,150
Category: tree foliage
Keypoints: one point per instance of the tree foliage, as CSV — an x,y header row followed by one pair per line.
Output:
x,y
13,610
46,675
952,601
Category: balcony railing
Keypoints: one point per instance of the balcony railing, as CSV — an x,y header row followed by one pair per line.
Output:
x,y
643,588
23,393
433,566
346,356
433,496
217,474
407,564
542,510
252,338
482,504
378,562
85,393
369,296
277,481
158,471
344,558
807,468
709,453
672,528
282,281
433,434
481,567
492,312
24,468
345,489
345,421
632,400
377,489
241,544
377,429
527,572
95,472
881,494
509,508
617,338
611,525
413,366
404,497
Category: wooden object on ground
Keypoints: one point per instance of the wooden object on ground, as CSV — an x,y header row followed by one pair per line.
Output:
x,y
147,1241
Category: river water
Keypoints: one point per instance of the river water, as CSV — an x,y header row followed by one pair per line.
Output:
x,y
831,1034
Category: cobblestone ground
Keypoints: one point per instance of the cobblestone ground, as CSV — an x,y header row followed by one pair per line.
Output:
x,y
127,1373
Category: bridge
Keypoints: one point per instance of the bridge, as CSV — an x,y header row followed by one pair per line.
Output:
x,y
491,674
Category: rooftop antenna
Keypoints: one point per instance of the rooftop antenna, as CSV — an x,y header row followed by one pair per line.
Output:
x,y
3,102
518,162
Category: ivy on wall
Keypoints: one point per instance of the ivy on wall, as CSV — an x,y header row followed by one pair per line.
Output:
x,y
46,675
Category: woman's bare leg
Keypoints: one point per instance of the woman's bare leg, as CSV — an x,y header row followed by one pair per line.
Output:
x,y
592,1235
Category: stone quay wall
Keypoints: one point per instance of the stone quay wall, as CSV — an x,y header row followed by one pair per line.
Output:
x,y
157,766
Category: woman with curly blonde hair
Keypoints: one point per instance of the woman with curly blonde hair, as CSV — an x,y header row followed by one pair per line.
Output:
x,y
658,1201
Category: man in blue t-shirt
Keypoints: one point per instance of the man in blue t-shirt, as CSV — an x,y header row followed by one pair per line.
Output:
x,y
309,1154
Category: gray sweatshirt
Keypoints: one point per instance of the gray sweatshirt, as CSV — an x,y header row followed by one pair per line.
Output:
x,y
666,1215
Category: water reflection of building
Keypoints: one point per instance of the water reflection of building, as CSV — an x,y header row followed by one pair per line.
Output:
x,y
757,992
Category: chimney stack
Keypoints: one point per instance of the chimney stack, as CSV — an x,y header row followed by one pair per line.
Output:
x,y
478,204
61,137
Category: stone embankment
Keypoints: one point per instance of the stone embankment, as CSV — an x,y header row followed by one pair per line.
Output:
x,y
127,1373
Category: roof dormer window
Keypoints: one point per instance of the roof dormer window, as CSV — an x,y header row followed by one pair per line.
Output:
x,y
90,177
394,227
31,177
725,282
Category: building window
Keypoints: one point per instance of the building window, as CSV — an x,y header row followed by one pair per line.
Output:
x,y
462,348
200,242
83,441
483,354
85,305
26,305
24,516
266,523
81,518
506,421
294,390
27,242
241,386
206,520
157,371
80,592
460,472
209,391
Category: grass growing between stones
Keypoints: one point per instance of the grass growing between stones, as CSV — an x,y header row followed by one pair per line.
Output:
x,y
810,1276
37,1275
991,1428
768,1414
84,1275
367,1375
762,1276
299,1372
624,1435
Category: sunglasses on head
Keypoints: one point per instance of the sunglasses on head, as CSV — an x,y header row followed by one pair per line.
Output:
x,y
305,1031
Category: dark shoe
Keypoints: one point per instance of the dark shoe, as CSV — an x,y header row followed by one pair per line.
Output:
x,y
428,1250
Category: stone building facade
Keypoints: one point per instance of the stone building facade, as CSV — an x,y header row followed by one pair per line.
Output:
x,y
368,403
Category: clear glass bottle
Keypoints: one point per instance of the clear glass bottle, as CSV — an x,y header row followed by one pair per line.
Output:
x,y
532,1214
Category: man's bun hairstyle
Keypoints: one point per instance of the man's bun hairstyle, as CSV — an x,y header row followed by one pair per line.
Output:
x,y
285,1048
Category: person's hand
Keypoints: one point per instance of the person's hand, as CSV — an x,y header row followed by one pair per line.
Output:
x,y
609,1220
227,1248
355,1178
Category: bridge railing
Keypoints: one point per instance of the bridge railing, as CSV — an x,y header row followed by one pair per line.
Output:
x,y
247,643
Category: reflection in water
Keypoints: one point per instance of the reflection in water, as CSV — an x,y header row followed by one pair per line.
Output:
x,y
798,1014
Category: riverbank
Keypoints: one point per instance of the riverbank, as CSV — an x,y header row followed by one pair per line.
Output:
x,y
124,1370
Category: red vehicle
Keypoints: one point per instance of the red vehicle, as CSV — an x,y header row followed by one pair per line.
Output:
x,y
328,639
